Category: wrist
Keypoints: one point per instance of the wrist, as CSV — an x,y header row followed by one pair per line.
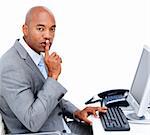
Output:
x,y
76,113
54,77
49,74
76,116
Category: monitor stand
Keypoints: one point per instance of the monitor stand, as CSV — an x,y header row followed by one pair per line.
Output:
x,y
133,118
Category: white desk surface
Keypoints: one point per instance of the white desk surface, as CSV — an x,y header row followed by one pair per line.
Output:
x,y
135,129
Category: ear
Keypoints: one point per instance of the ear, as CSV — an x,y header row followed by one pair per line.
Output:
x,y
25,29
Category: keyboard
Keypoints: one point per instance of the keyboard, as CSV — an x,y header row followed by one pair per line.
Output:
x,y
114,120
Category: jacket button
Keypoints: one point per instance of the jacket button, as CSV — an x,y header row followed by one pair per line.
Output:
x,y
64,131
60,113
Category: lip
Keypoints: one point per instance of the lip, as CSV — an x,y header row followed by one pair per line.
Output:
x,y
44,44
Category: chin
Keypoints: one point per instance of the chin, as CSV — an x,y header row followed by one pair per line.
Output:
x,y
42,50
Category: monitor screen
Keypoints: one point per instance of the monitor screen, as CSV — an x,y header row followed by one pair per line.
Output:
x,y
141,77
139,94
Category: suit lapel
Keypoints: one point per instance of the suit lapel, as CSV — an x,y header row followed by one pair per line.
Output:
x,y
32,65
25,56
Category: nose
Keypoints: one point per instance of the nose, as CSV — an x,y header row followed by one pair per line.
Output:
x,y
48,35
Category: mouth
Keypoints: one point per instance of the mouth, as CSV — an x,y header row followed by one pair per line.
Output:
x,y
43,44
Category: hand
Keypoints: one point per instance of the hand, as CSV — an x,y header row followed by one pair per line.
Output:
x,y
83,114
53,63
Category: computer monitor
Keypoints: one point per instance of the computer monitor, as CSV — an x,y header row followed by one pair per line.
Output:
x,y
139,94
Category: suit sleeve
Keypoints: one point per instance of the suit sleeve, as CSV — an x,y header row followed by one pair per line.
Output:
x,y
30,110
68,108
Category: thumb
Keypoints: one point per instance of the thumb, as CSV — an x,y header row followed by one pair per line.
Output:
x,y
87,121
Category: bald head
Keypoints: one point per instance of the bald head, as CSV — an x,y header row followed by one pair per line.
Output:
x,y
35,12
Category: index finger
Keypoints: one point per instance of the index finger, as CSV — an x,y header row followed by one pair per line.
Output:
x,y
46,50
102,109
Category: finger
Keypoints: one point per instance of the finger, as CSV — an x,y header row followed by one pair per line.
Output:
x,y
46,50
92,111
87,121
95,114
47,42
59,60
56,57
102,109
54,54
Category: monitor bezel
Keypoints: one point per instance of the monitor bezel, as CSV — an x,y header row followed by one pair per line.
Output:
x,y
141,108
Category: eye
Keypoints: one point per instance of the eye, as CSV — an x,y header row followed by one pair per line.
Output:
x,y
40,29
52,29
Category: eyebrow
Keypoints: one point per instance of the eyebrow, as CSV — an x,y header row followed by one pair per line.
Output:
x,y
54,26
44,25
41,25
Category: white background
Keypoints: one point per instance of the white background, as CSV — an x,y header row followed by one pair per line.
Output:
x,y
100,41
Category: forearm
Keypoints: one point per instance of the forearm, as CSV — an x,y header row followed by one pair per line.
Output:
x,y
31,111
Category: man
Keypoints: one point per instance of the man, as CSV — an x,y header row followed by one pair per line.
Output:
x,y
31,98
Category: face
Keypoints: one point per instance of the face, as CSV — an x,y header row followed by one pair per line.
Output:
x,y
38,30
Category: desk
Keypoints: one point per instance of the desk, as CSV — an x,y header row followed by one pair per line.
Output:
x,y
135,129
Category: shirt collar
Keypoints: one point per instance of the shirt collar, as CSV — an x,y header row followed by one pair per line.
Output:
x,y
35,56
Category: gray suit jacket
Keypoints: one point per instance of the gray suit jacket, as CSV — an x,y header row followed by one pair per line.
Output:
x,y
28,102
